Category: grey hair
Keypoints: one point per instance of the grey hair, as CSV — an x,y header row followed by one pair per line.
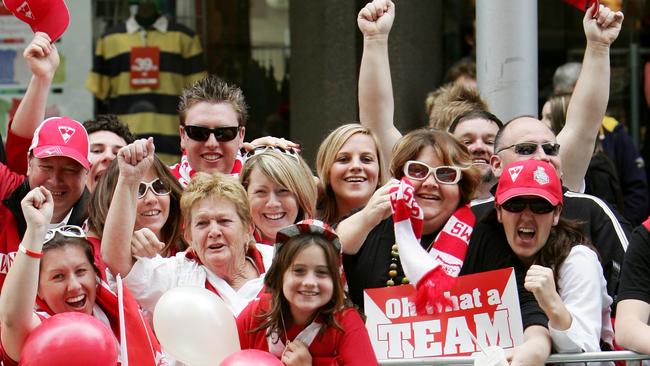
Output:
x,y
566,77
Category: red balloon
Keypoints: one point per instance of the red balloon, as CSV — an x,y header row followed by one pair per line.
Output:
x,y
249,357
70,339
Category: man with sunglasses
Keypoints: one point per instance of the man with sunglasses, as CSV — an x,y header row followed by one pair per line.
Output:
x,y
213,117
528,138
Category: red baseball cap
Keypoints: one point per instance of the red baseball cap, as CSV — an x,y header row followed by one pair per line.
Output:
x,y
48,16
61,136
529,178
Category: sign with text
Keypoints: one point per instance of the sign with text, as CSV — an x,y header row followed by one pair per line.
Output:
x,y
484,304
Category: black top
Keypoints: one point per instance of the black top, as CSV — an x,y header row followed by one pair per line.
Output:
x,y
369,267
488,250
635,278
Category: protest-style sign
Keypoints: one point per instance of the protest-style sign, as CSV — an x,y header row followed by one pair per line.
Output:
x,y
485,304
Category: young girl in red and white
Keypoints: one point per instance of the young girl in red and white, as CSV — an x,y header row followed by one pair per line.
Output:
x,y
304,318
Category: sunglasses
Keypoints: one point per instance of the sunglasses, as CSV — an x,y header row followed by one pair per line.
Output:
x,y
529,148
200,133
70,231
536,205
264,148
157,187
443,174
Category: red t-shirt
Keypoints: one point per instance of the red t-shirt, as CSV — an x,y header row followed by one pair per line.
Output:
x,y
334,347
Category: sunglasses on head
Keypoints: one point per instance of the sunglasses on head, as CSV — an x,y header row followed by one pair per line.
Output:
x,y
264,148
529,148
157,187
70,231
536,205
200,133
417,170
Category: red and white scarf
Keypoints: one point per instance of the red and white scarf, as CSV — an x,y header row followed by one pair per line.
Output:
x,y
184,172
435,273
141,347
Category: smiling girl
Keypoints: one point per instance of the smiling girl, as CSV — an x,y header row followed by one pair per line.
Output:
x,y
281,190
304,319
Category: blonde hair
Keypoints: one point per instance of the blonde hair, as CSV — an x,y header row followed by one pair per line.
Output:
x,y
214,186
325,158
290,172
450,101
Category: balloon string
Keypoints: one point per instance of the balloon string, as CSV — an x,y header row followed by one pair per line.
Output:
x,y
124,354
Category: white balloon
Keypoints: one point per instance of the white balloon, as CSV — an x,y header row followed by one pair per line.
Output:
x,y
195,327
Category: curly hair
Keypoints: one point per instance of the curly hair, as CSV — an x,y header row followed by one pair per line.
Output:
x,y
111,123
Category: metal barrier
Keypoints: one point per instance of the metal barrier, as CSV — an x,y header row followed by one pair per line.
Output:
x,y
555,358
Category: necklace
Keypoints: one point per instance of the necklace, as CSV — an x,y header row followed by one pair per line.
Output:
x,y
392,268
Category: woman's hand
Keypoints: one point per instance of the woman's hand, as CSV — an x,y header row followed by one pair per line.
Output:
x,y
376,18
296,353
42,56
539,280
135,159
38,207
271,141
378,207
144,243
605,27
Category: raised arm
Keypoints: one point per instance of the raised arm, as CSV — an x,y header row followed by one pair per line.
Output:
x,y
134,161
376,104
21,285
590,96
42,59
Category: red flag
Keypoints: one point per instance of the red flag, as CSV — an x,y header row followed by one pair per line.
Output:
x,y
580,4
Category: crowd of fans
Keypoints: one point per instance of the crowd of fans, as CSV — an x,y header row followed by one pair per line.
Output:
x,y
92,206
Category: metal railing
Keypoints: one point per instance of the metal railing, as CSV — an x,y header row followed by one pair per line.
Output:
x,y
555,358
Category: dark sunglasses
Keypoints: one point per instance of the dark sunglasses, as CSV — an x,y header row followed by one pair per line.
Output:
x,y
536,205
417,170
157,187
200,133
529,148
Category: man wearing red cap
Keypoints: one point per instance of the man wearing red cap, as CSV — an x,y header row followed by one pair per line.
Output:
x,y
58,161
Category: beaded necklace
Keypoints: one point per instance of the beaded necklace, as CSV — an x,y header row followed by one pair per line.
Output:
x,y
392,268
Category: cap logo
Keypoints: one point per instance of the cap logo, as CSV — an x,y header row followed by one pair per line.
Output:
x,y
66,133
540,176
25,10
514,172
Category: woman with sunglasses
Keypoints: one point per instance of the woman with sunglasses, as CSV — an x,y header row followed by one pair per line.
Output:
x,y
439,168
158,215
222,257
564,272
350,169
56,268
281,190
